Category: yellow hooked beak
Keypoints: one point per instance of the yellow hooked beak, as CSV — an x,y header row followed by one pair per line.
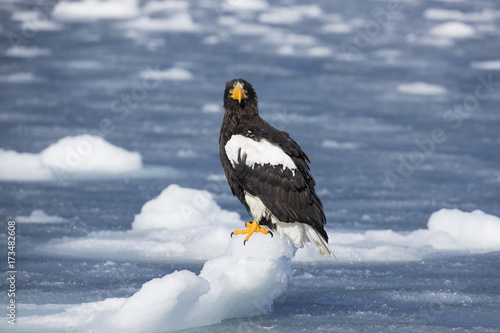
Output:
x,y
239,94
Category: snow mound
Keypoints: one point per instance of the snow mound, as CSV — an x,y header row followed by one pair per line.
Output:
x,y
455,229
421,88
289,15
88,153
81,154
449,230
238,5
211,108
440,14
27,52
486,65
453,29
179,208
184,224
172,74
338,145
20,77
241,283
39,216
180,22
91,10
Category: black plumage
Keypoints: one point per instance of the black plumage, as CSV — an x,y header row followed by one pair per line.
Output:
x,y
287,192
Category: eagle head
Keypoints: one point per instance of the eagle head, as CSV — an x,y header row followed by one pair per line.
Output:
x,y
239,95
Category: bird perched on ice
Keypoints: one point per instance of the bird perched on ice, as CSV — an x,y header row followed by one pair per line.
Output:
x,y
269,173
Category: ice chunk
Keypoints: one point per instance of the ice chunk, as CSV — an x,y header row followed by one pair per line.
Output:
x,y
238,5
338,145
27,52
180,22
450,14
241,283
89,153
20,77
290,15
179,208
23,166
39,216
211,108
90,10
487,65
72,155
173,74
421,88
453,29
476,230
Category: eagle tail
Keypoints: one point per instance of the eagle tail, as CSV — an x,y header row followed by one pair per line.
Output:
x,y
320,242
301,233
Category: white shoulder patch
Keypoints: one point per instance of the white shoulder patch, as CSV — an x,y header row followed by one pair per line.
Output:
x,y
258,152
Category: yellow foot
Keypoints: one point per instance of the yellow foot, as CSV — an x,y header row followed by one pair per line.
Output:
x,y
251,228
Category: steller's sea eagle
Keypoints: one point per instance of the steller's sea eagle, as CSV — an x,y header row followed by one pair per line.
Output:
x,y
269,173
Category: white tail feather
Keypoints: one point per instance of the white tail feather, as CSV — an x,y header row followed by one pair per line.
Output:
x,y
300,233
320,242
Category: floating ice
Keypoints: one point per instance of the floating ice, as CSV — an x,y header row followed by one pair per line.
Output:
x,y
337,28
238,5
440,14
290,15
20,77
238,280
39,216
453,30
187,224
211,108
338,145
89,10
487,65
35,21
165,6
27,52
173,74
83,154
178,208
457,230
241,283
421,88
180,22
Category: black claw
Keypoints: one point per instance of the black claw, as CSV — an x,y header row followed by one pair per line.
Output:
x,y
244,242
232,234
271,233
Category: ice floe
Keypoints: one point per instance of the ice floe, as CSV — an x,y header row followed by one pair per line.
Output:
x,y
421,88
73,155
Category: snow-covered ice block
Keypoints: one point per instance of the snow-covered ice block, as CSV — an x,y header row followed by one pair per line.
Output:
x,y
462,230
453,29
421,88
72,155
89,153
39,216
90,10
179,208
241,283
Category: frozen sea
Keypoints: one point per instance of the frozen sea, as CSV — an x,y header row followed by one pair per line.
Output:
x,y
109,119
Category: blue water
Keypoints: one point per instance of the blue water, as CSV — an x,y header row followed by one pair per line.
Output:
x,y
347,98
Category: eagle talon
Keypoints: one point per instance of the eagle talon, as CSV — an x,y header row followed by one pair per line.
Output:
x,y
251,228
